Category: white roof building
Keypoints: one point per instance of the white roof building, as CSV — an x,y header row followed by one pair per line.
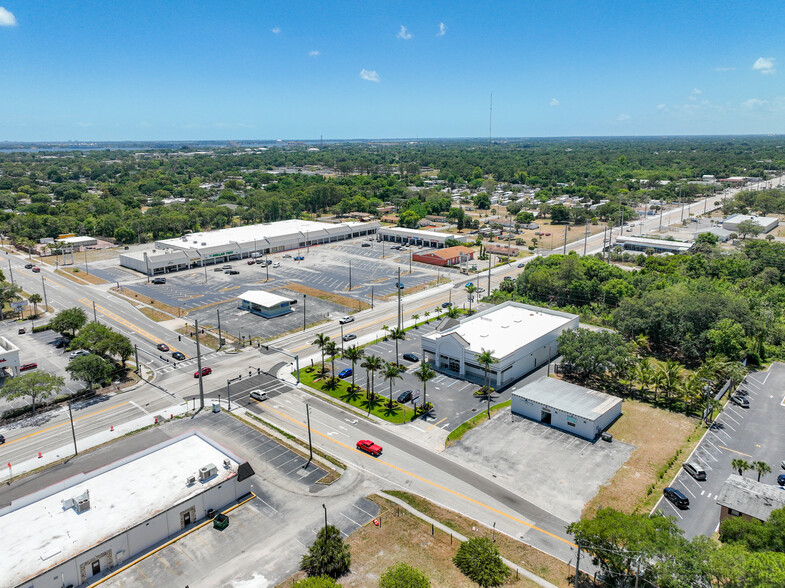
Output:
x,y
74,530
521,338
266,304
767,223
419,236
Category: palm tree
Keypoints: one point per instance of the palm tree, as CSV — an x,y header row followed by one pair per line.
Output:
x,y
353,354
331,349
470,290
385,328
641,344
671,376
8,293
397,334
372,363
424,374
414,318
741,465
761,467
391,373
453,312
644,373
320,341
427,313
35,299
485,359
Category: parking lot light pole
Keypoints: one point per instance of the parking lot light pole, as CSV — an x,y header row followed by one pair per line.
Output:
x,y
220,339
350,275
310,444
73,432
199,365
325,516
304,312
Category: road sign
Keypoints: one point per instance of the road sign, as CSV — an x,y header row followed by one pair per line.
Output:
x,y
19,304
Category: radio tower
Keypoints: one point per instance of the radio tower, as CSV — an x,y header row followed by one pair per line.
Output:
x,y
490,123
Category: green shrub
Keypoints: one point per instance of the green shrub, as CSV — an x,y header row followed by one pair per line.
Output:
x,y
402,575
317,582
479,560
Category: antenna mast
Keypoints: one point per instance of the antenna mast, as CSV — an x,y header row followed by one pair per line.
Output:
x,y
490,123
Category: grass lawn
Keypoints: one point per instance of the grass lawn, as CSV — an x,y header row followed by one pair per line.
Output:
x,y
402,537
359,399
663,439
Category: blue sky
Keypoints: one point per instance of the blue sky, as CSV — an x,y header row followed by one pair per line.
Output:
x,y
101,70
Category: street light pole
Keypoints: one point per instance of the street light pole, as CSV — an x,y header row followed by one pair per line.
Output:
x,y
325,516
304,312
11,271
46,303
199,365
310,443
398,287
73,432
220,340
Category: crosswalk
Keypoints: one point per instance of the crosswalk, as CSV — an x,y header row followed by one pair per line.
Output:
x,y
190,362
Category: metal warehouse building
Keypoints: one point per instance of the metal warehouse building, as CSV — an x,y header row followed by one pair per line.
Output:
x,y
767,223
208,248
568,407
418,237
521,338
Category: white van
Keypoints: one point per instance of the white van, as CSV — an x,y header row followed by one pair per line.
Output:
x,y
259,395
694,470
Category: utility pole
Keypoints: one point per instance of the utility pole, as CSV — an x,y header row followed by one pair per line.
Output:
x,y
350,275
662,206
87,269
43,285
410,260
73,432
577,564
310,444
303,312
586,239
95,314
490,257
371,297
199,366
398,286
325,516
565,241
220,339
11,271
136,357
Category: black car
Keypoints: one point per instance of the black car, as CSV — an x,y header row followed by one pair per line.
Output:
x,y
366,244
405,396
62,342
446,304
740,401
178,355
231,272
410,357
2,439
28,266
781,479
349,336
159,280
676,497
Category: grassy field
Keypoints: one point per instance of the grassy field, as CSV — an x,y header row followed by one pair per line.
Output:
x,y
663,440
404,537
397,414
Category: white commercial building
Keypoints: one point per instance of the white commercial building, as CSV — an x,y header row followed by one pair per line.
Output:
x,y
643,244
211,247
418,237
568,407
9,356
75,530
266,304
78,241
520,337
767,223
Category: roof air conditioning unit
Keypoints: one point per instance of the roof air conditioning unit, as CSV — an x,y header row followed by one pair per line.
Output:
x,y
207,472
190,480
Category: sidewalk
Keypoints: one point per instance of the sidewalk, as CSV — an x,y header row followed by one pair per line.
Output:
x,y
522,571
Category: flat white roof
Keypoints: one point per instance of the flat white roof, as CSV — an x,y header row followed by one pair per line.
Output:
x,y
761,220
421,234
39,533
576,400
262,298
506,328
664,243
76,240
248,233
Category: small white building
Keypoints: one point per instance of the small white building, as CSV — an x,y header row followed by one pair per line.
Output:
x,y
575,409
78,241
768,223
521,337
75,530
643,244
266,304
418,237
9,356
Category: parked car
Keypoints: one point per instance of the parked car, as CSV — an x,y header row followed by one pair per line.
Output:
x,y
299,257
781,479
62,342
162,347
369,446
231,272
349,336
205,371
28,366
405,396
226,267
178,355
366,244
676,497
346,319
446,304
159,280
346,373
78,353
399,285
259,395
251,262
286,255
36,270
694,470
740,401
28,266
276,264
2,439
410,357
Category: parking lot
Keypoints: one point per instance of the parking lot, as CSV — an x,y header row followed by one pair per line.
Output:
x,y
555,470
751,434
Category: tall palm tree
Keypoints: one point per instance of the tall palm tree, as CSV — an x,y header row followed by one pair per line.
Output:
x,y
320,341
331,349
671,376
453,312
470,290
761,467
386,330
414,318
424,374
427,314
485,359
373,363
35,299
644,373
397,334
391,373
741,465
353,354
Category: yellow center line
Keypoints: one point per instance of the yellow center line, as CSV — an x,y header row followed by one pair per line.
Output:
x,y
122,321
426,481
62,424
434,424
734,451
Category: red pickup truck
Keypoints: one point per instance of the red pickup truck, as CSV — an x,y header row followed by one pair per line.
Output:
x,y
369,447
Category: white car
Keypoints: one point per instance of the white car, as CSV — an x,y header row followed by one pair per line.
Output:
x,y
276,264
346,319
259,395
78,353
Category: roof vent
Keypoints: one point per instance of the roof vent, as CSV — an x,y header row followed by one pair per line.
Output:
x,y
505,326
79,503
227,463
190,480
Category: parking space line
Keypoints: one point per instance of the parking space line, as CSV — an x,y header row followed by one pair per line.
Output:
x,y
351,519
675,509
433,425
734,451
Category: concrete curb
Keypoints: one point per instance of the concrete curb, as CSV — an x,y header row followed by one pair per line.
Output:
x,y
522,571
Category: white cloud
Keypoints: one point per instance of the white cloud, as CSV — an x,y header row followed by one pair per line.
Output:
x,y
369,75
404,34
765,65
276,30
623,117
7,19
554,102
314,53
753,103
83,124
442,30
662,107
696,91
724,68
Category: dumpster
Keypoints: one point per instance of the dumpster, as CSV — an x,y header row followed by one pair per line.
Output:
x,y
220,522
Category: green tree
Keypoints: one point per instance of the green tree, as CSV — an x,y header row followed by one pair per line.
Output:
x,y
353,354
332,351
35,300
470,290
482,201
424,374
453,312
320,341
740,465
33,385
592,354
486,359
8,293
402,575
68,321
391,373
328,556
397,334
372,364
749,227
479,560
761,468
90,369
727,338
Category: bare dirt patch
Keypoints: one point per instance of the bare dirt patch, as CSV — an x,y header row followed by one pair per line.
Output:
x,y
660,437
79,276
329,296
176,312
154,314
